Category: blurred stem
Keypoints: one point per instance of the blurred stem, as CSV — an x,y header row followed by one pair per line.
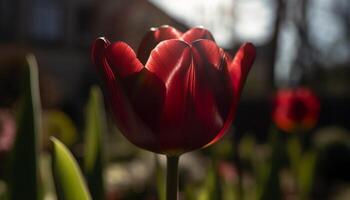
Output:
x,y
302,140
237,161
294,151
172,177
271,187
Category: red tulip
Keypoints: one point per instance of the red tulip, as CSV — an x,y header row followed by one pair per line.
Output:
x,y
296,109
179,93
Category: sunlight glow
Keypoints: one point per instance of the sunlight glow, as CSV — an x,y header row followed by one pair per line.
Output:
x,y
228,21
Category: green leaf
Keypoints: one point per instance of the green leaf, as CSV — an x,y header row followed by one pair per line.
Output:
x,y
24,175
69,181
94,129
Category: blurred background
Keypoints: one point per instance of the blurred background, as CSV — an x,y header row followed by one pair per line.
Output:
x,y
299,43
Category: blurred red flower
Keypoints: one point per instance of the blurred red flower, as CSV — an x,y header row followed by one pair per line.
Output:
x,y
295,109
179,93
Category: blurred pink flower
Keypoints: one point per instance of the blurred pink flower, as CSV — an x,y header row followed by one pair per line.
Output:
x,y
7,130
227,171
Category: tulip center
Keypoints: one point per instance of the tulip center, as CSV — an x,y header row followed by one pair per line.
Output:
x,y
297,110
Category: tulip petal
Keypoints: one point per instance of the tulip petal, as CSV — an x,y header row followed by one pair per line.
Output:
x,y
168,58
197,33
210,65
211,94
206,54
98,56
122,59
194,87
127,120
98,51
238,70
240,66
170,61
153,38
146,93
123,111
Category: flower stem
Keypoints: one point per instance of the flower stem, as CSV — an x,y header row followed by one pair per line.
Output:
x,y
238,163
172,177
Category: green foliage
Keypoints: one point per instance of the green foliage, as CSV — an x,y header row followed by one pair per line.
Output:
x,y
306,173
58,124
294,151
93,150
271,185
69,181
211,188
48,185
3,195
160,176
24,176
302,165
229,191
246,147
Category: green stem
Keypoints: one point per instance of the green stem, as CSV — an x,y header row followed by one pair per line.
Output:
x,y
172,177
238,164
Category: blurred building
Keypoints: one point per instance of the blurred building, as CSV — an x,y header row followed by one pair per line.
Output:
x,y
60,34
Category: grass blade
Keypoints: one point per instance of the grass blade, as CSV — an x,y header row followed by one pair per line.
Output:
x,y
94,129
69,181
24,176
